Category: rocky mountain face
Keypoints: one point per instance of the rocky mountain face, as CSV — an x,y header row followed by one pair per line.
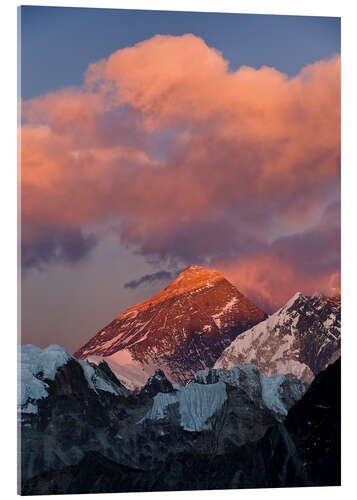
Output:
x,y
225,429
79,417
314,426
304,450
182,329
157,383
301,339
62,402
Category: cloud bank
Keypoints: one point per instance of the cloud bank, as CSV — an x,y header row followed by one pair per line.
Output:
x,y
194,163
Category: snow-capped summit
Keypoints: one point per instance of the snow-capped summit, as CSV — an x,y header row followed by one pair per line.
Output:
x,y
182,329
300,339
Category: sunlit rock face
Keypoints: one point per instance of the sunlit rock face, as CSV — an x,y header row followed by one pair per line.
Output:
x,y
182,329
301,339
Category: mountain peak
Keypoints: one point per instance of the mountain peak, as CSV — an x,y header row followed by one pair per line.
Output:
x,y
300,339
293,301
200,271
193,268
183,328
193,277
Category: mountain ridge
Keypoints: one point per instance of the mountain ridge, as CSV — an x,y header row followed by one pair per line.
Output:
x,y
79,413
300,339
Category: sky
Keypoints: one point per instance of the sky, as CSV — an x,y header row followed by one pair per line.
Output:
x,y
155,140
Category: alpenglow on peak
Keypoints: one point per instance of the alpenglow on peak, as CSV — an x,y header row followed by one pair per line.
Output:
x,y
183,328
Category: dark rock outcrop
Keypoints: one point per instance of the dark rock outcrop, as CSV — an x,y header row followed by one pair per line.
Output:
x,y
157,383
314,426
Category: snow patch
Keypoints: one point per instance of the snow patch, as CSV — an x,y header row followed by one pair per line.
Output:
x,y
96,382
217,321
131,314
270,393
131,373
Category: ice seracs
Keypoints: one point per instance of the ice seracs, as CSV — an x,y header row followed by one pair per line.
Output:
x,y
196,404
199,403
277,392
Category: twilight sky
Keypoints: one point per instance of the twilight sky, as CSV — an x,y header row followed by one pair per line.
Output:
x,y
155,140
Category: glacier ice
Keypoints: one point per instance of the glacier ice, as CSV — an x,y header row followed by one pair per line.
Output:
x,y
196,404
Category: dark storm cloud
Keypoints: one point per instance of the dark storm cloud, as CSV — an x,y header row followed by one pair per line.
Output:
x,y
66,246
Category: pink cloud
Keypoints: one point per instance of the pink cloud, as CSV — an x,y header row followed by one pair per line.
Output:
x,y
195,161
270,282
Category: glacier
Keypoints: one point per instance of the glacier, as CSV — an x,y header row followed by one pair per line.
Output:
x,y
196,404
